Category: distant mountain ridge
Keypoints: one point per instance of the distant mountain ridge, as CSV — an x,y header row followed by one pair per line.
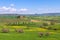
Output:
x,y
49,14
44,14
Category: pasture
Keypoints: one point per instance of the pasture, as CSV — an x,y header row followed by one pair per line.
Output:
x,y
31,26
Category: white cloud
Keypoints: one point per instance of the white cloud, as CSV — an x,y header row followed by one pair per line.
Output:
x,y
3,8
23,10
48,10
7,9
12,10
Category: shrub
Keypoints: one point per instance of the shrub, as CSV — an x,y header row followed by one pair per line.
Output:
x,y
5,30
40,34
41,26
55,29
49,28
45,24
19,30
47,34
52,23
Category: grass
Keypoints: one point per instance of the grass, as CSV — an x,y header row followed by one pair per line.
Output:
x,y
32,32
27,36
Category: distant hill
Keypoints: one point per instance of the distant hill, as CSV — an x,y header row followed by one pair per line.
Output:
x,y
44,14
50,14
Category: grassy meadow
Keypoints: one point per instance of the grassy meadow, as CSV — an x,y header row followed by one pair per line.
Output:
x,y
32,26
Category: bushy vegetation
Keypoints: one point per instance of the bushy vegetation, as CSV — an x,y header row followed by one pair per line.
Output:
x,y
5,30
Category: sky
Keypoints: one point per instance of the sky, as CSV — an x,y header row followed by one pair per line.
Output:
x,y
29,6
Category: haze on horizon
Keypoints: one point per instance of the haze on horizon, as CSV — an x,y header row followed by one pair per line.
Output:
x,y
29,6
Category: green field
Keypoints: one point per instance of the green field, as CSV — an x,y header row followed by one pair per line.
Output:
x,y
31,25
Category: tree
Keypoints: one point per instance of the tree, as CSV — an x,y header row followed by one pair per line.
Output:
x,y
52,23
45,24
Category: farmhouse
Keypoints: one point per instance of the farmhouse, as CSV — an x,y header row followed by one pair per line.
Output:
x,y
21,17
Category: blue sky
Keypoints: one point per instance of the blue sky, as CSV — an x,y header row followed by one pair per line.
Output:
x,y
29,6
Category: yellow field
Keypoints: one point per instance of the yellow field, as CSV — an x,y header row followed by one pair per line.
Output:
x,y
30,29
